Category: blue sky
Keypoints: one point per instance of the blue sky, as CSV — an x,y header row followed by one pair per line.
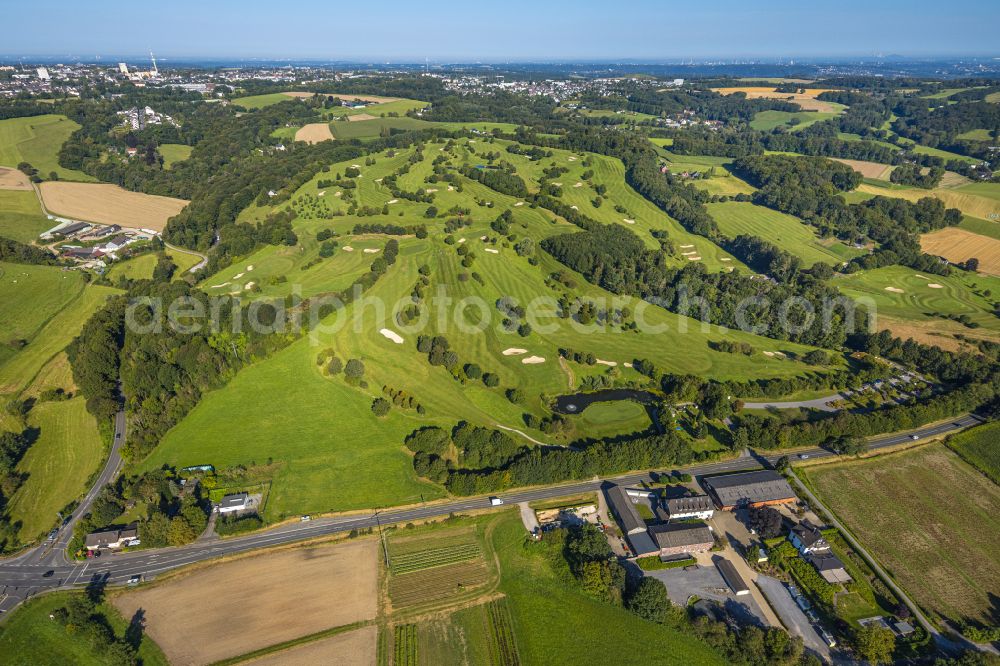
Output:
x,y
387,30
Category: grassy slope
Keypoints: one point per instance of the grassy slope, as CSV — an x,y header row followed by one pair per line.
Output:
x,y
543,596
31,295
369,129
174,152
978,447
981,202
260,101
958,295
37,140
922,514
785,231
58,465
142,266
335,454
766,121
20,216
17,371
988,228
29,637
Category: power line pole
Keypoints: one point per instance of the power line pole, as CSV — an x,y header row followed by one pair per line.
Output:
x,y
381,536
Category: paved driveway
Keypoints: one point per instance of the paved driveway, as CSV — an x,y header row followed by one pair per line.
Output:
x,y
792,616
706,582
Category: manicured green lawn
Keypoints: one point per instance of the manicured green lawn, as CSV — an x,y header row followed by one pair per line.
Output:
x,y
37,140
174,152
141,267
260,101
917,301
603,419
787,232
29,638
556,623
979,447
369,129
21,217
58,465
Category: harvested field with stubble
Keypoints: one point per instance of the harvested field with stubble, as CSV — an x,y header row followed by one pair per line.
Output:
x,y
867,169
351,648
958,245
314,133
110,204
12,179
236,607
925,515
807,101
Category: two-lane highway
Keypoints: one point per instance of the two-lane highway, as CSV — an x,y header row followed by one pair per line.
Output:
x,y
23,577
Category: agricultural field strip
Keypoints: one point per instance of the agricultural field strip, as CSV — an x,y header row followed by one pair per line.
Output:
x,y
502,643
427,559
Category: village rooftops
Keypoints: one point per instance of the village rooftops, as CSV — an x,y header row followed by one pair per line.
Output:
x,y
754,488
685,506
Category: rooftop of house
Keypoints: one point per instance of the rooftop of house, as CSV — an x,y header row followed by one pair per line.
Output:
x,y
236,499
690,504
625,510
809,535
760,486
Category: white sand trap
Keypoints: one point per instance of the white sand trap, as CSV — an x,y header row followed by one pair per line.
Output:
x,y
768,353
337,194
393,201
627,365
218,286
725,259
533,360
692,252
461,240
359,176
451,188
238,276
571,158
514,351
472,140
249,268
780,354
578,185
574,208
492,251
322,194
557,184
378,180
689,245
895,290
356,166
610,364
370,250
249,285
694,258
392,335
935,285
519,203
430,189
920,276
482,238
348,248
628,221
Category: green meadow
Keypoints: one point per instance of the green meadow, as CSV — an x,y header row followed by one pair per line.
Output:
x,y
765,121
21,217
31,295
260,101
173,153
787,232
37,140
978,447
370,129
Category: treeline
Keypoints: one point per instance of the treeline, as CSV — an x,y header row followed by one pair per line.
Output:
x,y
17,252
13,446
614,258
419,230
505,182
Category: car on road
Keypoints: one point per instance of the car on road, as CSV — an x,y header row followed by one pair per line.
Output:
x,y
52,535
49,574
803,456
135,580
118,435
305,519
914,437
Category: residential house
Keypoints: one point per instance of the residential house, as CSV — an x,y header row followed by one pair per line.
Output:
x,y
693,506
829,567
813,546
759,488
116,243
233,502
112,539
682,538
807,538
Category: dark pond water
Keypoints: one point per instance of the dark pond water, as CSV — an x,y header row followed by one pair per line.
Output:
x,y
577,402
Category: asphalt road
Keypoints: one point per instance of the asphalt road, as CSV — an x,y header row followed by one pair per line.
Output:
x,y
31,573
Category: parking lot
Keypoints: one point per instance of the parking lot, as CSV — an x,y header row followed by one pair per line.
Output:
x,y
706,582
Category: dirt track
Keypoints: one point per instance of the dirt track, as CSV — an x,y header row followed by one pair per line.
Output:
x,y
236,607
109,204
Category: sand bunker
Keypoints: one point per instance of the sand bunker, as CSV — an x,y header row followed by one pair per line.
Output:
x,y
378,180
492,251
461,240
430,189
393,201
628,221
321,194
692,252
688,245
574,208
533,360
249,285
392,335
768,353
238,276
348,248
451,188
627,365
337,194
514,351
218,286
370,250
725,259
571,158
935,285
920,276
895,290
482,238
694,258
578,185
610,364
519,203
249,268
557,184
